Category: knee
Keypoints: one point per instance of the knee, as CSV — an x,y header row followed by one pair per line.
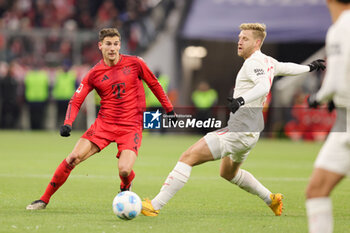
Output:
x,y
186,154
73,159
227,175
124,171
186,157
315,190
224,175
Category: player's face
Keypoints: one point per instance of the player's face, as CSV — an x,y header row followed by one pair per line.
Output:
x,y
110,47
246,44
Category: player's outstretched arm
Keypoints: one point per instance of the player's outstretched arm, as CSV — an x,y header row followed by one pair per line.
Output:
x,y
292,69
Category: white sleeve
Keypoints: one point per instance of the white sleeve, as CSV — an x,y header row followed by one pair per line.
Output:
x,y
336,66
289,68
258,74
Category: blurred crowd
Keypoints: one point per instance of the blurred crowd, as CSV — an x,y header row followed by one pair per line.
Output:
x,y
28,91
83,14
53,31
47,44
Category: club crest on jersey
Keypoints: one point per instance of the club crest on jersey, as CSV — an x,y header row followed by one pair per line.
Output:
x,y
126,70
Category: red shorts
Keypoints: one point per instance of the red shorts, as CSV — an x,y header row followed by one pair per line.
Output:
x,y
126,137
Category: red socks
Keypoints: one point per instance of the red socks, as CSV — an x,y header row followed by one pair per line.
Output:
x,y
59,177
126,181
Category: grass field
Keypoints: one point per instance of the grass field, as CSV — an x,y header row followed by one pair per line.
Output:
x,y
207,203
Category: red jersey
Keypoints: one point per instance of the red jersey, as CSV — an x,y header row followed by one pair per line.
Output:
x,y
121,91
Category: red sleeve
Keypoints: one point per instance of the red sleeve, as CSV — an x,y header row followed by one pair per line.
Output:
x,y
78,98
152,82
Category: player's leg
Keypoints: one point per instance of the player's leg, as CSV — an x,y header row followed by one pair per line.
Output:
x,y
129,141
331,165
197,154
318,203
82,150
126,162
232,172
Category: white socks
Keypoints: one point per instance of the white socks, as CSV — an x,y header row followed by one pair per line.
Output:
x,y
174,182
319,214
246,181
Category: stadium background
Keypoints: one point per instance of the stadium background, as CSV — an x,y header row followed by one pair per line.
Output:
x,y
188,41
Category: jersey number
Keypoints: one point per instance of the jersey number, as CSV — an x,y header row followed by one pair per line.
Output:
x,y
118,89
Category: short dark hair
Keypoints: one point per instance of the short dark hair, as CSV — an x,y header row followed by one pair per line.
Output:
x,y
108,32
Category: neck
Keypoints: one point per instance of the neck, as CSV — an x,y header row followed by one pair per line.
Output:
x,y
111,62
248,56
337,9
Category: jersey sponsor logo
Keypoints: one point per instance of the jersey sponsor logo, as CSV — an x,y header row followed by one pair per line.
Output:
x,y
118,89
151,120
259,72
105,78
80,88
126,70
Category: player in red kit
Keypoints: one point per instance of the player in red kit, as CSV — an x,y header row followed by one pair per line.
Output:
x,y
117,78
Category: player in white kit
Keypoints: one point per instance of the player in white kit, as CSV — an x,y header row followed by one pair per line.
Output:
x,y
333,161
233,143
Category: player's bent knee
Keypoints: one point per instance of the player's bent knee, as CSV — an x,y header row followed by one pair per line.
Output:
x,y
188,158
124,171
226,175
314,191
73,159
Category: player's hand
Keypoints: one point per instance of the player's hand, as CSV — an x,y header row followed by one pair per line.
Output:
x,y
317,65
65,130
312,102
235,104
171,116
330,106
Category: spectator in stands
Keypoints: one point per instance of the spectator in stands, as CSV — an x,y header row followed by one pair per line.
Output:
x,y
36,93
63,90
8,98
204,98
152,102
308,124
106,14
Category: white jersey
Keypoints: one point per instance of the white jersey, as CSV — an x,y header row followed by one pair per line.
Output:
x,y
334,155
253,83
336,84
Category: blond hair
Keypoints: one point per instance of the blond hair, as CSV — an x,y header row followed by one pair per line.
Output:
x,y
108,32
259,30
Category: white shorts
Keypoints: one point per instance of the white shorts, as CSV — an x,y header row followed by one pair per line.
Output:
x,y
335,154
237,145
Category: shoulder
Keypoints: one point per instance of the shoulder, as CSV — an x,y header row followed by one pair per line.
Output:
x,y
340,29
96,68
256,60
132,58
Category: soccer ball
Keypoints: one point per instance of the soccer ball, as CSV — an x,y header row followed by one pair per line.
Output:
x,y
127,205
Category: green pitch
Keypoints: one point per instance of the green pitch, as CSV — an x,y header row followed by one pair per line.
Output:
x,y
207,203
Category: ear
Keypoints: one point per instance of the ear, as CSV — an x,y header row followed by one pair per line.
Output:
x,y
99,45
258,43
